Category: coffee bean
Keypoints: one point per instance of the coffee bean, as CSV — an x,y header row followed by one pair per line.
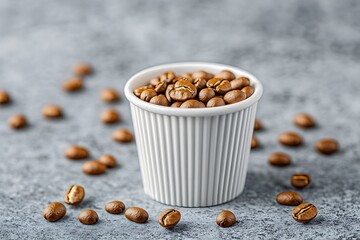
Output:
x,y
115,207
202,74
225,74
88,217
54,211
254,142
206,94
18,121
304,120
234,96
289,198
215,102
257,125
167,77
300,180
200,83
108,160
76,152
304,213
155,81
240,83
109,95
161,87
176,104
52,111
122,135
290,139
327,146
187,75
248,91
110,116
160,100
74,195
183,90
221,86
73,84
169,218
168,90
225,218
192,103
279,159
4,97
136,214
94,167
83,69
139,90
147,94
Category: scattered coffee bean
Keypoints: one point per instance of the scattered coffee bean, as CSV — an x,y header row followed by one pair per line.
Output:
x,y
220,86
109,95
82,69
289,198
248,91
225,74
206,94
4,97
279,159
300,180
169,218
108,160
52,111
215,102
257,125
74,195
290,139
88,217
254,142
304,213
54,211
94,167
327,146
115,207
240,83
192,103
225,218
160,100
304,120
234,96
76,152
136,214
122,135
176,104
110,116
73,84
183,90
167,77
202,74
139,90
18,121
147,94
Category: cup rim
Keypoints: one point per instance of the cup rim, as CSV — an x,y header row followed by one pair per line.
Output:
x,y
133,83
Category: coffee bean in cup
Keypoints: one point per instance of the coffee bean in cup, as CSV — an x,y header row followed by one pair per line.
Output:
x,y
76,152
108,160
289,198
54,211
94,167
290,139
169,218
304,213
279,159
74,195
18,121
136,214
327,146
52,111
115,207
88,217
226,218
122,135
304,120
4,97
300,180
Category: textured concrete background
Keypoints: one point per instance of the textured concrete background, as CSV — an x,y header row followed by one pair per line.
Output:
x,y
306,53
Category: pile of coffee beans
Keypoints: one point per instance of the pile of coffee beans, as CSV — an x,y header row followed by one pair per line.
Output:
x,y
196,90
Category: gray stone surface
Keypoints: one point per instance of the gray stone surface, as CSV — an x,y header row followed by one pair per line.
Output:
x,y
306,53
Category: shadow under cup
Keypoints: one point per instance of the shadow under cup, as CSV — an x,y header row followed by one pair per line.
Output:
x,y
193,157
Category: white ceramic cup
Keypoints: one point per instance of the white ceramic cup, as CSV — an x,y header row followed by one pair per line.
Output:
x,y
193,157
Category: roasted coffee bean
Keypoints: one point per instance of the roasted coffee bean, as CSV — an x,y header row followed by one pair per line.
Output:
x,y
187,75
122,135
279,159
4,97
183,91
139,90
304,120
225,74
155,81
327,146
290,139
176,104
192,103
202,74
54,211
136,214
109,95
257,125
73,84
190,80
18,121
289,198
304,213
248,91
167,77
200,83
234,96
76,152
115,207
206,94
220,85
161,87
148,94
254,142
74,195
300,180
168,90
215,102
82,69
88,217
225,218
52,111
110,116
108,160
94,167
240,83
160,100
169,218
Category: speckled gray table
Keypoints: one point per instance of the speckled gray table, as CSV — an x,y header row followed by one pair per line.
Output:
x,y
306,53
